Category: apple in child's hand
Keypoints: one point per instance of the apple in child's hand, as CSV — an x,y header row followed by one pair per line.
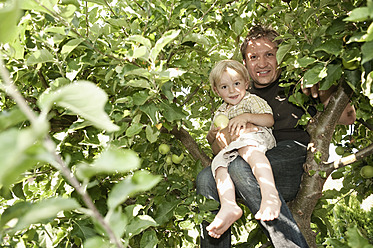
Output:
x,y
164,149
177,159
221,121
367,171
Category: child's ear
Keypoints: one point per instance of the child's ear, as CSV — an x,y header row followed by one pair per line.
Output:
x,y
215,91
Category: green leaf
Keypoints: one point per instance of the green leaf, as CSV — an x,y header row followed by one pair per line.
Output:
x,y
140,39
140,83
40,6
334,73
113,160
134,129
70,46
40,56
197,38
151,110
97,242
165,212
333,47
9,15
139,98
11,117
355,239
41,211
139,182
83,98
139,224
314,75
19,151
149,239
172,112
306,61
151,133
117,220
367,51
167,90
358,15
162,42
282,51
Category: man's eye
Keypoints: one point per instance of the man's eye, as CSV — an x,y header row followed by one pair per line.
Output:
x,y
270,54
252,57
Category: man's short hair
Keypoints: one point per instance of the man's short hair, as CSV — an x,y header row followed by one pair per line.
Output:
x,y
257,32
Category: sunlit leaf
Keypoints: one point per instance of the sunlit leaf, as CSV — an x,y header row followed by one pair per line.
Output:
x,y
9,15
83,98
39,211
113,160
139,224
162,42
40,56
139,182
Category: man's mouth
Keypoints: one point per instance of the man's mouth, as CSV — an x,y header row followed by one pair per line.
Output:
x,y
263,73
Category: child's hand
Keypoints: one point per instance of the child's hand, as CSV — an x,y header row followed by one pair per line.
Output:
x,y
236,125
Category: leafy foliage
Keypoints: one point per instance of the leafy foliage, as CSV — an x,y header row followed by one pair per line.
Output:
x,y
107,82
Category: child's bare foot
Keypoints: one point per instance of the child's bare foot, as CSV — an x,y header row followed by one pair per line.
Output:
x,y
269,208
226,216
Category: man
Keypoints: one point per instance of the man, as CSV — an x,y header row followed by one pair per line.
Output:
x,y
287,158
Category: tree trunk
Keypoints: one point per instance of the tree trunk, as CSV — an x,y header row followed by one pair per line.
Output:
x,y
321,129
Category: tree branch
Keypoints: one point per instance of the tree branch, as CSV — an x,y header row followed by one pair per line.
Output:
x,y
191,145
362,154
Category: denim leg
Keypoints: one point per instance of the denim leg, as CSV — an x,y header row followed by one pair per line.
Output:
x,y
287,160
206,186
283,231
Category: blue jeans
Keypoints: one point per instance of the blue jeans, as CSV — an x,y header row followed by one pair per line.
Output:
x,y
287,160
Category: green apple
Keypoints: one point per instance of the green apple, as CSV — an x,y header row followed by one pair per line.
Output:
x,y
350,64
221,121
168,160
164,149
177,159
367,171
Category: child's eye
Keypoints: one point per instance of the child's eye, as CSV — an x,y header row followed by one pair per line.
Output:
x,y
237,83
224,87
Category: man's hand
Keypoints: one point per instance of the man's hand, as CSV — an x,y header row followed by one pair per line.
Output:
x,y
348,116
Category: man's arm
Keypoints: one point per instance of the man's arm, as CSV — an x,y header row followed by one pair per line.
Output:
x,y
348,116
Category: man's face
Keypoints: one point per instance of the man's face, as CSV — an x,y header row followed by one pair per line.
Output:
x,y
261,62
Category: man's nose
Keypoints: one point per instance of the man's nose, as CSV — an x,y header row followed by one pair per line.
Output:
x,y
262,62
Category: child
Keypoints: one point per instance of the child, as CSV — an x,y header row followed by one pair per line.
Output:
x,y
230,80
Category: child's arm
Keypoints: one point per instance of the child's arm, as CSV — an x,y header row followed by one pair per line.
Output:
x,y
237,123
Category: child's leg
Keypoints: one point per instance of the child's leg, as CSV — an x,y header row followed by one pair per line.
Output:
x,y
229,210
262,170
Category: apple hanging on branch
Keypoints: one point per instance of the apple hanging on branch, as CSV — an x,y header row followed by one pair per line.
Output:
x,y
164,149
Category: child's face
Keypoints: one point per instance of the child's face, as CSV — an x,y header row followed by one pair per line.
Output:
x,y
232,87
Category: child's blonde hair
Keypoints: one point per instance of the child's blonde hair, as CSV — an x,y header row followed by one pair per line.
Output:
x,y
220,67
